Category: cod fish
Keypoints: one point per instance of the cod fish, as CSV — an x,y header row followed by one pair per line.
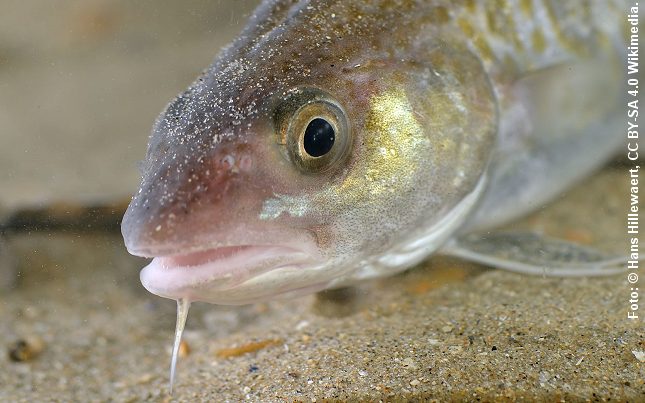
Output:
x,y
339,140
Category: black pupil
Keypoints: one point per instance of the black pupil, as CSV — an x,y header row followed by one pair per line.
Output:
x,y
319,137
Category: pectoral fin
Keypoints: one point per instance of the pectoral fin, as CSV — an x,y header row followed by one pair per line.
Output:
x,y
531,253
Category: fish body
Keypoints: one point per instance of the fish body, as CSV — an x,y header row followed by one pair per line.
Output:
x,y
335,141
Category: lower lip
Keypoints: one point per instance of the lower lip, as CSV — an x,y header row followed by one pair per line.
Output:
x,y
183,276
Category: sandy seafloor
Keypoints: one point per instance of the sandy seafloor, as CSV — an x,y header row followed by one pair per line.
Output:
x,y
81,82
446,330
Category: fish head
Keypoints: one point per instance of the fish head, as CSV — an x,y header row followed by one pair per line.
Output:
x,y
282,170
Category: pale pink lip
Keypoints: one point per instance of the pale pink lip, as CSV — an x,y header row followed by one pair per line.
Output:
x,y
190,275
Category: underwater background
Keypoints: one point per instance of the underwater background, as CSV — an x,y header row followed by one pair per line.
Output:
x,y
81,82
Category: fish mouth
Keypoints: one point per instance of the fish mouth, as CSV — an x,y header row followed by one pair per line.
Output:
x,y
197,275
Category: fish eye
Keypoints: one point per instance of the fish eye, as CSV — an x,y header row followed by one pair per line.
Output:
x,y
319,137
313,128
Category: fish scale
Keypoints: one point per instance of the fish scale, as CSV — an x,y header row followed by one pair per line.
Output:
x,y
534,34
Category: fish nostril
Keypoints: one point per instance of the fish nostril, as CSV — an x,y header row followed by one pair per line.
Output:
x,y
246,163
228,161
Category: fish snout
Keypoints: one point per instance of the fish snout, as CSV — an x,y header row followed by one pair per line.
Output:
x,y
186,200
